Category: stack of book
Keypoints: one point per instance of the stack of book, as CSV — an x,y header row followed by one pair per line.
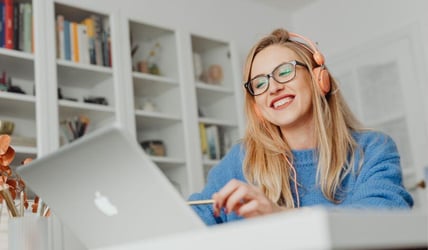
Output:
x,y
86,41
215,141
16,26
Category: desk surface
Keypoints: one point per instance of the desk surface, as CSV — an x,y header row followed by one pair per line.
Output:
x,y
307,228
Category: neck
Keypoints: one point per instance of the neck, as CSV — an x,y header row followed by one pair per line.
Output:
x,y
301,136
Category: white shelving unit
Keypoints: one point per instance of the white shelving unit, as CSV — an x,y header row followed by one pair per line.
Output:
x,y
216,87
17,107
79,80
158,104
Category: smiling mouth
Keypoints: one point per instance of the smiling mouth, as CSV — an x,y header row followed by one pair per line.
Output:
x,y
282,102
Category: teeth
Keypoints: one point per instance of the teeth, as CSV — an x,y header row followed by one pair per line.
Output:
x,y
282,102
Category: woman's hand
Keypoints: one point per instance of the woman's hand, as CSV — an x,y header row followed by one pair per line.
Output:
x,y
244,199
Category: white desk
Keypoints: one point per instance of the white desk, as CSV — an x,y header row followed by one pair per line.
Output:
x,y
310,228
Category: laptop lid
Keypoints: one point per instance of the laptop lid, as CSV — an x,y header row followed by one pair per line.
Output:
x,y
107,191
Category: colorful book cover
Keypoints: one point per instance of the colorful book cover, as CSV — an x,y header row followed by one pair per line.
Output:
x,y
90,31
67,40
83,43
60,43
213,142
203,138
74,42
8,5
2,22
28,28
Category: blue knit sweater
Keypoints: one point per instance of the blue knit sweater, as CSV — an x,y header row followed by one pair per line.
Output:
x,y
378,184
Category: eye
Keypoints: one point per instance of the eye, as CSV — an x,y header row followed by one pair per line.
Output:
x,y
284,70
259,82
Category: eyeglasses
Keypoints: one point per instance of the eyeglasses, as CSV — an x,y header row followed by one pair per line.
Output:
x,y
283,73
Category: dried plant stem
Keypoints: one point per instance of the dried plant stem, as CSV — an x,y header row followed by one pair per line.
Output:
x,y
5,193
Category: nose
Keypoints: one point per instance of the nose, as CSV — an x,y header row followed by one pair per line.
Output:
x,y
274,86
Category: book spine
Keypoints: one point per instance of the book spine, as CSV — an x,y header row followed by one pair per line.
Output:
x,y
8,4
21,26
60,43
203,138
83,43
213,142
16,26
67,40
98,39
89,22
2,22
74,42
105,41
28,28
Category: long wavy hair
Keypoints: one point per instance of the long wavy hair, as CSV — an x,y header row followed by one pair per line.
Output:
x,y
268,157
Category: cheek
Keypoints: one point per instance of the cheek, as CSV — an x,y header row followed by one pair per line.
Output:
x,y
260,106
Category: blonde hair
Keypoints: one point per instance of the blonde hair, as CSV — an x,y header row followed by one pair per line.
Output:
x,y
268,157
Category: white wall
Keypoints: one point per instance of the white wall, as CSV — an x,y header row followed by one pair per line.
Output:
x,y
339,26
343,28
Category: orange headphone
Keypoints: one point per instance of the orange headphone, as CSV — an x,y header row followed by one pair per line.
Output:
x,y
320,72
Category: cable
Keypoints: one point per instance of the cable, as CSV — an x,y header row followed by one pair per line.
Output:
x,y
295,181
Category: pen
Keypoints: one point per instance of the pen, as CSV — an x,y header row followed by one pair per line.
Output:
x,y
200,202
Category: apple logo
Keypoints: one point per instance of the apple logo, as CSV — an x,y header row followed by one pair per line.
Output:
x,y
104,205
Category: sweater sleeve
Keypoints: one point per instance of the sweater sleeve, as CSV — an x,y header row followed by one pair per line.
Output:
x,y
378,183
230,167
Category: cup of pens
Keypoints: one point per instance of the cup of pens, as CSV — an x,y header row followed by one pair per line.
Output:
x,y
27,220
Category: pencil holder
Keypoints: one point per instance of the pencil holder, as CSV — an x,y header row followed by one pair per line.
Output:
x,y
28,232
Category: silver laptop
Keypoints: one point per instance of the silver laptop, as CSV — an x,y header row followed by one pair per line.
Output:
x,y
106,190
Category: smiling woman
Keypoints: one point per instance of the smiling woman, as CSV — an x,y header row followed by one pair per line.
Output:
x,y
303,146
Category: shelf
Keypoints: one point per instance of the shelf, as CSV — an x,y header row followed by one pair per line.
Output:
x,y
17,64
81,75
25,150
219,122
168,161
22,154
19,105
153,120
151,84
202,44
210,163
96,113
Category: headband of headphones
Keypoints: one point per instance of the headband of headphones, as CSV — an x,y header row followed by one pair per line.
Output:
x,y
323,77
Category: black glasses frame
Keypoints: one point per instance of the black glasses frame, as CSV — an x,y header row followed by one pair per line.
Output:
x,y
250,90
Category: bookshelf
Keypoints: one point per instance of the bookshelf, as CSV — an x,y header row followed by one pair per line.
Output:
x,y
217,92
18,77
157,98
85,76
156,104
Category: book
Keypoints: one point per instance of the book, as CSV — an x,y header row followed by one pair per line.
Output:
x,y
106,41
8,13
203,138
98,39
60,42
74,42
21,26
16,26
213,142
2,22
28,28
90,32
82,39
67,40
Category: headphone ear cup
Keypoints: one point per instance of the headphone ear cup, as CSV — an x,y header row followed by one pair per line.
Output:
x,y
319,58
323,79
